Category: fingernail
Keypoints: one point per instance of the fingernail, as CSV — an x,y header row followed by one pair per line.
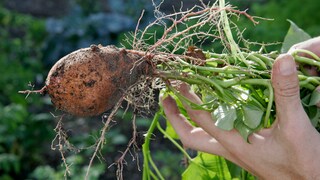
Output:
x,y
287,65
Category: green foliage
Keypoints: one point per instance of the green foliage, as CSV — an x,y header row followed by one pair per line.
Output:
x,y
28,45
19,147
207,166
280,11
309,98
245,114
26,127
293,36
20,61
225,116
77,169
21,38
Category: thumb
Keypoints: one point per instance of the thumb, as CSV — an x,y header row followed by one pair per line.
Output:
x,y
286,88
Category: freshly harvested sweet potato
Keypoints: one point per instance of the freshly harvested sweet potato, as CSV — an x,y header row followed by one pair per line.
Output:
x,y
89,81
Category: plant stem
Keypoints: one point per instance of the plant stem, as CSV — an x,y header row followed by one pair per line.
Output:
x,y
235,50
146,151
257,60
270,102
309,61
307,85
269,61
313,55
313,80
173,141
191,79
242,81
225,69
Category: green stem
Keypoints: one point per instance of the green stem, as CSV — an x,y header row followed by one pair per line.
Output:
x,y
242,81
262,82
216,55
307,85
146,151
313,80
155,168
173,141
235,50
269,61
252,57
313,55
226,70
268,111
192,79
256,96
186,100
309,61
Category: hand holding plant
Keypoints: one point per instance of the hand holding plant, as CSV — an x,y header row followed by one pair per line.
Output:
x,y
233,80
287,148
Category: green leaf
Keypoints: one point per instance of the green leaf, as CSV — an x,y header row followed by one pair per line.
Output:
x,y
315,98
313,114
195,171
225,116
207,166
212,63
170,131
294,36
244,130
252,115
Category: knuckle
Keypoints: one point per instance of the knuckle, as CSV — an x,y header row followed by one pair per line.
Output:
x,y
288,89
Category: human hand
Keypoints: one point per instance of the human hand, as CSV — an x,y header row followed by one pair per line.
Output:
x,y
312,45
287,150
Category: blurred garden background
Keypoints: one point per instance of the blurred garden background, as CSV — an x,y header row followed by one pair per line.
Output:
x,y
34,34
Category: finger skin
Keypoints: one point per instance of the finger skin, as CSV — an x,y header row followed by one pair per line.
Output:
x,y
191,137
289,149
186,131
286,89
312,45
204,120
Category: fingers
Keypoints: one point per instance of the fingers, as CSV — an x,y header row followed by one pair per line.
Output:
x,y
191,137
208,138
312,45
204,120
198,116
286,88
194,138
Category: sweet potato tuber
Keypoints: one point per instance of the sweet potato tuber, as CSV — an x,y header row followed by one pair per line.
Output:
x,y
89,81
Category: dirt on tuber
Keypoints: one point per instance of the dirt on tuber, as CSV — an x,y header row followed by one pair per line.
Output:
x,y
90,81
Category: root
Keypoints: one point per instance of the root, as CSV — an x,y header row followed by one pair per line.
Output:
x,y
132,144
142,96
101,140
179,34
62,144
167,50
28,92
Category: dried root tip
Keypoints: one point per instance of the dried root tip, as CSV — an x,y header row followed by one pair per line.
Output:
x,y
95,48
41,91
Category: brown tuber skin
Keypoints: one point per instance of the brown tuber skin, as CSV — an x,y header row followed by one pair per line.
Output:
x,y
90,81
